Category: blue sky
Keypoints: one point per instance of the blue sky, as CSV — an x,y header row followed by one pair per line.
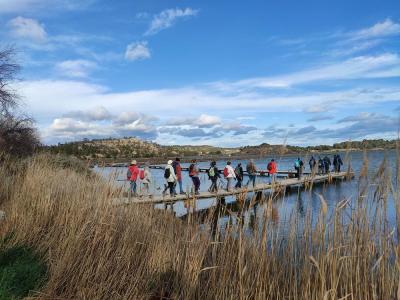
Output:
x,y
226,73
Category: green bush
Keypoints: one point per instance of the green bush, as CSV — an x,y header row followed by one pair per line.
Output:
x,y
21,271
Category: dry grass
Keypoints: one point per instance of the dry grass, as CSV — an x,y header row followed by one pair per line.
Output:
x,y
97,251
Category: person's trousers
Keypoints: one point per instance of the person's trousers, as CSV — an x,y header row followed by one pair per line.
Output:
x,y
171,186
213,187
252,178
196,183
238,184
133,187
229,181
180,186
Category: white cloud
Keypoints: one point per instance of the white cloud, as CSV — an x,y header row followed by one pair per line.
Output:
x,y
360,67
204,120
167,18
137,51
27,28
382,29
18,6
207,120
99,113
79,68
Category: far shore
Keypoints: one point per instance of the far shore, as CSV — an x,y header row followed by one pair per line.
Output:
x,y
108,162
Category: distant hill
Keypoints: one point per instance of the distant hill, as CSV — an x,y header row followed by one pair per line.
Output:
x,y
132,147
126,148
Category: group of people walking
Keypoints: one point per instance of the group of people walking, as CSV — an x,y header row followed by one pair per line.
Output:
x,y
135,175
323,165
173,174
320,166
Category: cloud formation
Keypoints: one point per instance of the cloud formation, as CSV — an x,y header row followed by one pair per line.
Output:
x,y
98,122
25,28
379,30
167,18
357,127
137,51
79,68
18,6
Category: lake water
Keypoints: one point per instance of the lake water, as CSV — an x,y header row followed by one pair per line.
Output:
x,y
300,202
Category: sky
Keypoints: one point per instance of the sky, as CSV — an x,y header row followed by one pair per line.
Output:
x,y
223,73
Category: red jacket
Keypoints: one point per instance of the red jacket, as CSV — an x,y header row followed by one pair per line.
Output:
x,y
134,170
178,172
272,168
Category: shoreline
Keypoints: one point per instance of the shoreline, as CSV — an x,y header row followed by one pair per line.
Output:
x,y
109,162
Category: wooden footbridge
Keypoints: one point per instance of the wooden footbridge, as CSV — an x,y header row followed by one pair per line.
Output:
x,y
277,186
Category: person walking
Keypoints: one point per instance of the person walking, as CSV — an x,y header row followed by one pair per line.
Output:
x,y
337,162
272,169
298,166
178,172
170,177
146,180
321,166
239,176
213,175
194,174
312,163
252,172
327,164
229,174
132,175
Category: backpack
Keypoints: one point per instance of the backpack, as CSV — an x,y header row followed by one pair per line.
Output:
x,y
167,173
211,172
237,172
191,169
141,174
269,167
297,164
226,172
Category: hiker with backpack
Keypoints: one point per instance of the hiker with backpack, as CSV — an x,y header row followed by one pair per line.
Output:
x,y
213,175
170,177
327,164
178,172
252,172
239,176
132,175
298,166
272,169
337,162
145,177
321,167
194,174
229,174
312,163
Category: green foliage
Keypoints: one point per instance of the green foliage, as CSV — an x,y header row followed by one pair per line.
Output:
x,y
128,148
21,271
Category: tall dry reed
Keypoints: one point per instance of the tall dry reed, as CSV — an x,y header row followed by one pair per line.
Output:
x,y
95,250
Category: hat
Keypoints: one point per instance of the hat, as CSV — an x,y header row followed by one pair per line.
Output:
x,y
170,162
133,162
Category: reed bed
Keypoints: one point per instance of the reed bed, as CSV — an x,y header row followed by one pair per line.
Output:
x,y
95,250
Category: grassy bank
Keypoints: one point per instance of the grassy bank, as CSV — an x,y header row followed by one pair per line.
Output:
x,y
94,250
22,272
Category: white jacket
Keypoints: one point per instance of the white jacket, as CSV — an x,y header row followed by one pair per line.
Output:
x,y
231,171
147,176
172,176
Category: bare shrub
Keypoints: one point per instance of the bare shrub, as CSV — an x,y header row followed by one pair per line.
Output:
x,y
17,134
